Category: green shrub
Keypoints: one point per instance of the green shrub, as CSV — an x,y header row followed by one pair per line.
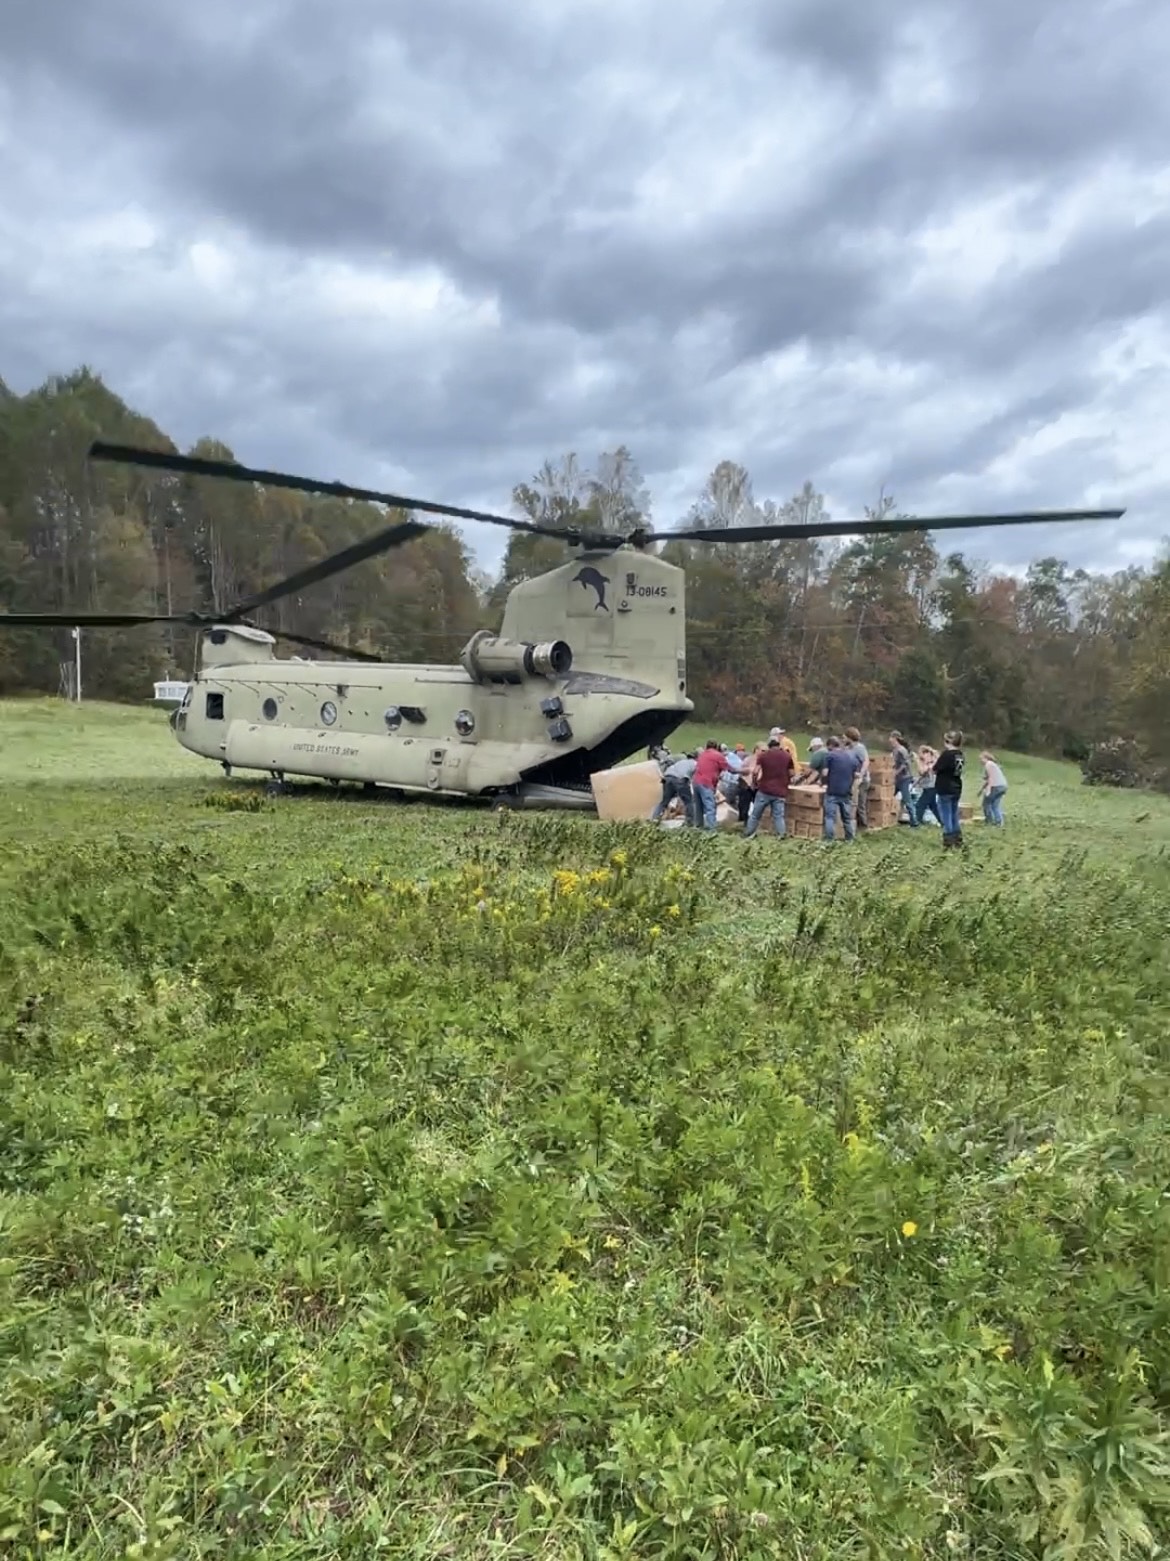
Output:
x,y
1122,762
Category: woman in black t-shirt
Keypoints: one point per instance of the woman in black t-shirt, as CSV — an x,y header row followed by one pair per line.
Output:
x,y
948,788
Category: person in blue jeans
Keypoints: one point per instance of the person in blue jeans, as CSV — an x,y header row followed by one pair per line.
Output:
x,y
902,777
926,803
948,789
709,766
838,767
676,784
993,790
772,771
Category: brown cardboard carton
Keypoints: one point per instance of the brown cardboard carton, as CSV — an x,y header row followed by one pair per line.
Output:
x,y
630,791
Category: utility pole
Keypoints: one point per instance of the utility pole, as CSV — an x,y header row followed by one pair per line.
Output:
x,y
77,665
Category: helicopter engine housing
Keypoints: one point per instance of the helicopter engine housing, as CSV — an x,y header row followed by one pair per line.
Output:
x,y
488,659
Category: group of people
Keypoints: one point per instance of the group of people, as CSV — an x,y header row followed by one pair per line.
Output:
x,y
931,783
757,783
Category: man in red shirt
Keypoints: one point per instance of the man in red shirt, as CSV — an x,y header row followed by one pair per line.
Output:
x,y
773,769
709,767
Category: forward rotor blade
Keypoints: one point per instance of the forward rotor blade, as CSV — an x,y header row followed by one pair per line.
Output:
x,y
889,526
91,620
344,651
368,547
199,466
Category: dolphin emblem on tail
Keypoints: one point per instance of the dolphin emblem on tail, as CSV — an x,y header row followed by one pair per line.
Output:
x,y
595,581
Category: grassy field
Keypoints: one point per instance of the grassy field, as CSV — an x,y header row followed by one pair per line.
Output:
x,y
419,1181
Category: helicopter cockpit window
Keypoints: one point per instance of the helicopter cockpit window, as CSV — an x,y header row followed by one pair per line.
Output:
x,y
270,709
328,713
215,707
465,723
393,718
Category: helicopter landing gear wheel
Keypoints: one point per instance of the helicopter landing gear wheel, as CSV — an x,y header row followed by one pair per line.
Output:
x,y
275,787
504,801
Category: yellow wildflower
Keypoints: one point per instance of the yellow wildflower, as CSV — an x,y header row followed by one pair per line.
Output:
x,y
611,1243
566,881
673,910
655,932
619,858
909,1228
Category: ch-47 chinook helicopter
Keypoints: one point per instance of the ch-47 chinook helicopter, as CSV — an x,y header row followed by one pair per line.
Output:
x,y
589,666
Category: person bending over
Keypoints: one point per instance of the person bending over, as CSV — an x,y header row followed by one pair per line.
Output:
x,y
676,783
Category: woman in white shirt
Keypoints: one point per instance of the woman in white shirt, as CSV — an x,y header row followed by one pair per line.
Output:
x,y
924,758
992,790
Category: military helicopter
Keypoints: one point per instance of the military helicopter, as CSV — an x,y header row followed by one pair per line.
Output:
x,y
588,668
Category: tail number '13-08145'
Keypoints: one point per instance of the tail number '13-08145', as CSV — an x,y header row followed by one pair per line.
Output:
x,y
634,589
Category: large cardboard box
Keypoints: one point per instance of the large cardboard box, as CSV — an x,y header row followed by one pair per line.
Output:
x,y
630,791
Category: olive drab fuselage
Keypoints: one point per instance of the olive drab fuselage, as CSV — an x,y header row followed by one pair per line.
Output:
x,y
589,666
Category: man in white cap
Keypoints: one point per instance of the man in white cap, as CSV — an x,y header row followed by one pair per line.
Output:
x,y
808,772
777,735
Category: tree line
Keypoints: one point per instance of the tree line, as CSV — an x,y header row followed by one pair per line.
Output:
x,y
883,631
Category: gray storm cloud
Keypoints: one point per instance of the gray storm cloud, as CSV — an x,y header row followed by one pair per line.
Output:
x,y
860,243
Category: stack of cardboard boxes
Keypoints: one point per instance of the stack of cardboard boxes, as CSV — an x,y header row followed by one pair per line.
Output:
x,y
883,806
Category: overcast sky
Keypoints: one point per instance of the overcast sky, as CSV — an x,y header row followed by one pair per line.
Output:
x,y
428,243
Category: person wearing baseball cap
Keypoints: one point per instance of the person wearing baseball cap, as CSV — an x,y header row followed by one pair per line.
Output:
x,y
778,735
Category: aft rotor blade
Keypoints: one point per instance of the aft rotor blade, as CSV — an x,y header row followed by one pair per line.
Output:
x,y
344,651
90,620
201,466
368,547
886,526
